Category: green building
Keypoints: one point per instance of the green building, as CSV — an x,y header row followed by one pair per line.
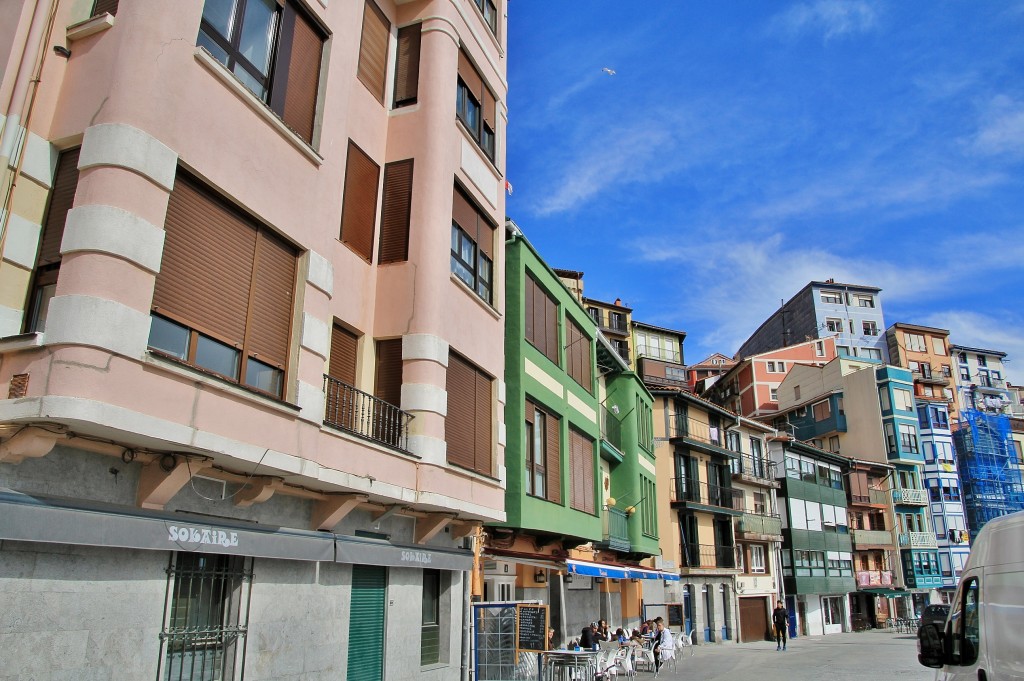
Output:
x,y
578,457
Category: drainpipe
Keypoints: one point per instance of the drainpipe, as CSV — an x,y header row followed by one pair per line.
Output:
x,y
22,102
467,624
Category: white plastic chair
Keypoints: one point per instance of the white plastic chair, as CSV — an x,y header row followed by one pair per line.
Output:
x,y
684,641
668,651
623,661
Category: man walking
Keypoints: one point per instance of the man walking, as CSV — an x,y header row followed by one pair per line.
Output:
x,y
780,619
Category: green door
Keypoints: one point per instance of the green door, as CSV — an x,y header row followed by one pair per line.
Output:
x,y
366,623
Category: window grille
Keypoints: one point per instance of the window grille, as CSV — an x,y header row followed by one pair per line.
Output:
x,y
206,617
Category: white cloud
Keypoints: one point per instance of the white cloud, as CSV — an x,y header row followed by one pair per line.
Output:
x,y
1002,128
1004,332
830,18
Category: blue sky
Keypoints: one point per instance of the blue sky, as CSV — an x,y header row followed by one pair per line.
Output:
x,y
744,148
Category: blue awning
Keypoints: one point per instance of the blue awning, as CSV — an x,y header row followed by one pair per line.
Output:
x,y
588,569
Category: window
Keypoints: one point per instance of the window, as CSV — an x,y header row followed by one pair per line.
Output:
x,y
467,429
207,616
407,65
832,297
833,443
430,621
212,306
834,325
981,361
965,624
648,512
342,399
965,374
616,321
578,355
657,346
796,392
62,195
938,346
543,454
541,320
395,212
961,357
844,351
871,353
581,452
104,7
819,349
388,374
903,399
757,559
864,300
914,341
274,48
890,438
822,410
359,210
883,399
870,328
839,406
760,503
773,394
777,367
475,106
908,438
595,314
490,14
472,258
939,416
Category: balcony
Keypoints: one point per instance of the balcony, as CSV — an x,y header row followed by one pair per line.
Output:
x,y
709,557
611,430
757,526
863,539
686,491
930,378
354,411
910,496
874,497
917,540
616,531
755,471
869,578
697,433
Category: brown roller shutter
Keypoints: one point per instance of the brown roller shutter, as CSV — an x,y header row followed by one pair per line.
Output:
x,y
104,7
373,50
273,290
62,196
343,355
551,328
388,381
859,484
483,424
582,450
396,212
464,214
485,237
469,76
588,475
489,106
553,460
407,65
359,208
459,431
528,292
530,412
206,271
297,72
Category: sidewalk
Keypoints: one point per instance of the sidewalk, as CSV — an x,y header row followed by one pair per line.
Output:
x,y
837,657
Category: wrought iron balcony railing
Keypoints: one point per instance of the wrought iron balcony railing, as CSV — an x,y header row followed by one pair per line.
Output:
x,y
362,414
709,556
748,466
684,489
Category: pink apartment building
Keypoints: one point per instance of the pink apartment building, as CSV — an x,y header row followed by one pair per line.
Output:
x,y
750,388
251,336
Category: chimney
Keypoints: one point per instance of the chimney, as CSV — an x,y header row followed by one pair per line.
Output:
x,y
618,302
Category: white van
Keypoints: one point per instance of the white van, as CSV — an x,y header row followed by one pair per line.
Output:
x,y
983,638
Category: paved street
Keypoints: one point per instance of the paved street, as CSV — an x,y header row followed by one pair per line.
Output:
x,y
819,658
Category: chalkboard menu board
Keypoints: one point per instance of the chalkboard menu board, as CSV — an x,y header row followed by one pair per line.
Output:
x,y
675,615
531,628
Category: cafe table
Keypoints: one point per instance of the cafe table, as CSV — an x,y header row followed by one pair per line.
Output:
x,y
562,665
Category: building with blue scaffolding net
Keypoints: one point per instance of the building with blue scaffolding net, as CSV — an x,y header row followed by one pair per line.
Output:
x,y
989,469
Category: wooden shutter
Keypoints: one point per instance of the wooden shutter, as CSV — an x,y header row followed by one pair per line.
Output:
x,y
482,449
206,271
407,66
343,355
459,431
62,196
104,7
373,50
582,455
578,355
528,321
551,328
388,381
270,321
553,459
297,72
396,212
359,208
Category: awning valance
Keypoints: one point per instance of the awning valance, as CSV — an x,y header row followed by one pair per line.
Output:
x,y
888,593
588,569
367,551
